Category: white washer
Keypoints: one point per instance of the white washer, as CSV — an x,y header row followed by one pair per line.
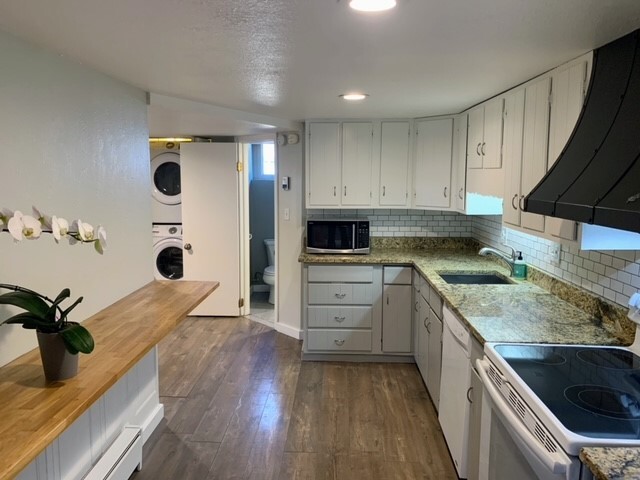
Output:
x,y
167,252
166,187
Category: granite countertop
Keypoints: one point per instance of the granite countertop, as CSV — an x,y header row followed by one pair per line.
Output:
x,y
521,312
612,463
493,313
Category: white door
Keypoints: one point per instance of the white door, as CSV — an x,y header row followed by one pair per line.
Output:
x,y
432,179
492,142
323,165
396,319
475,137
460,162
513,131
357,145
211,223
394,163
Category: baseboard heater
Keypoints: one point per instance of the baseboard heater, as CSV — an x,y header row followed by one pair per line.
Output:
x,y
121,458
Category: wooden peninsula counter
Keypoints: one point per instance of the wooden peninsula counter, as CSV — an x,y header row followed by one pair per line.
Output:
x,y
62,430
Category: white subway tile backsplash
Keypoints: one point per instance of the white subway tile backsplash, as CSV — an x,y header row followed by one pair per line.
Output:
x,y
614,275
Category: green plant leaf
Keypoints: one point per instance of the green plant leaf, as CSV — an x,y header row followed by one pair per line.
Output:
x,y
64,314
27,320
65,293
77,339
26,301
51,313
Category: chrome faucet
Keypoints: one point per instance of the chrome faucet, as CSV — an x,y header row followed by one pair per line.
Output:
x,y
486,251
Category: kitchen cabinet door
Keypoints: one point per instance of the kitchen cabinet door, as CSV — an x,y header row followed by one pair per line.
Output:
x,y
459,190
434,357
323,165
512,161
211,202
535,145
396,319
394,164
424,318
475,134
492,140
567,98
432,179
357,144
415,321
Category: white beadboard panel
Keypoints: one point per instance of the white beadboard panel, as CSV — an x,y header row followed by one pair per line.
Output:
x,y
408,223
613,274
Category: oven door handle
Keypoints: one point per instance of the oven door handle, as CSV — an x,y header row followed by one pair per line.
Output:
x,y
557,462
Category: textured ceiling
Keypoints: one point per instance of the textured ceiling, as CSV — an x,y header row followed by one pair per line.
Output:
x,y
290,59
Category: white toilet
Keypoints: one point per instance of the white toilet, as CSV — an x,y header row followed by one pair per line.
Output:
x,y
269,274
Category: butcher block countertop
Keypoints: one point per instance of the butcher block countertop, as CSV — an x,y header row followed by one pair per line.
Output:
x,y
34,413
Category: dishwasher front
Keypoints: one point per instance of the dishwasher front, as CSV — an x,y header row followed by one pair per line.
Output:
x,y
454,387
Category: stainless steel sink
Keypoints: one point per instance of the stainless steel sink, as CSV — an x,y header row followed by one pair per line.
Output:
x,y
476,278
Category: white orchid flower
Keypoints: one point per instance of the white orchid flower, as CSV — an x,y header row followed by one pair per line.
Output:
x,y
45,220
5,215
59,227
24,226
101,242
86,232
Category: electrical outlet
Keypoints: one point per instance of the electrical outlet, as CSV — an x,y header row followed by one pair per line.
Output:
x,y
554,253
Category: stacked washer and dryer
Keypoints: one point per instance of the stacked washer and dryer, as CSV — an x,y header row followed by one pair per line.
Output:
x,y
166,213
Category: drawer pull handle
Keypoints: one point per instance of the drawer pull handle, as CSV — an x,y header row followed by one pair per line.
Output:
x,y
341,295
460,193
416,307
340,319
513,201
427,327
469,399
339,342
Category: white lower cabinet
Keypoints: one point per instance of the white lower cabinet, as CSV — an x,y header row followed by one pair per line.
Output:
x,y
349,309
434,357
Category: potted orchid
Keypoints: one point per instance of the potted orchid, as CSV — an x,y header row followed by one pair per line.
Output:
x,y
59,339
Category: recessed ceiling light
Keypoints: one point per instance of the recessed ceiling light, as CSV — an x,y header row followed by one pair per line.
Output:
x,y
372,5
353,96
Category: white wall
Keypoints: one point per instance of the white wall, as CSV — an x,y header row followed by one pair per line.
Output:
x,y
289,234
74,143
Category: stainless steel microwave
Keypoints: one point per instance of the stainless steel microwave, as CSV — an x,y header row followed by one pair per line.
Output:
x,y
339,235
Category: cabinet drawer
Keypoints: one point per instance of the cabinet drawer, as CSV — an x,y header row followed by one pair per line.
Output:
x,y
340,273
340,294
339,340
339,317
397,275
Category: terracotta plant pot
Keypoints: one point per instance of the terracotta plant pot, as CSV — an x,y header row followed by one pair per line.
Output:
x,y
57,362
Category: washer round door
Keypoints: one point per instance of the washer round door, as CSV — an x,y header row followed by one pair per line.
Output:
x,y
167,254
165,174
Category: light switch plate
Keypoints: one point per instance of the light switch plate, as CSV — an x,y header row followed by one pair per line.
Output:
x,y
285,214
554,253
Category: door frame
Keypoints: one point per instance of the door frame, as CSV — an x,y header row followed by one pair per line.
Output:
x,y
245,248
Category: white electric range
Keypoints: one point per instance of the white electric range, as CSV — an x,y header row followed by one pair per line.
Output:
x,y
543,403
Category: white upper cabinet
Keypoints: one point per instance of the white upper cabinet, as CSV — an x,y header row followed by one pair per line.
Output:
x,y
535,145
323,165
485,135
512,155
394,164
432,174
459,168
357,143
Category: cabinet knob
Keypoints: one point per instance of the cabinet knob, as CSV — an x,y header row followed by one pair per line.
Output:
x,y
460,194
334,191
520,204
339,342
469,399
513,201
416,307
482,148
340,295
384,190
427,327
345,190
445,192
187,247
339,319
478,149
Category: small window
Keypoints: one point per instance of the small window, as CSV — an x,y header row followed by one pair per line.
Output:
x,y
268,160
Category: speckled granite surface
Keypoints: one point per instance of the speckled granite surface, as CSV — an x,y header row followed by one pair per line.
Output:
x,y
522,312
609,463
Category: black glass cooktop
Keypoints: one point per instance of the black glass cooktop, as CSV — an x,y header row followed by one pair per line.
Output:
x,y
593,391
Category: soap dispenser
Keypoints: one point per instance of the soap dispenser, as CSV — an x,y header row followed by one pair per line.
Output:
x,y
519,267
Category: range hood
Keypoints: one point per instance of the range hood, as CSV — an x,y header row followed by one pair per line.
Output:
x,y
596,179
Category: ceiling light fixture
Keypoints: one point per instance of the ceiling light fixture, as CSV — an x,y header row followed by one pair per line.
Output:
x,y
170,139
354,96
372,5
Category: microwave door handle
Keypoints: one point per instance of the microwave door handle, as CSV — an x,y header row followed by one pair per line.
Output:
x,y
556,462
353,236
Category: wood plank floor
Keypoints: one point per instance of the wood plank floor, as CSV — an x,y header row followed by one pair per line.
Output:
x,y
240,404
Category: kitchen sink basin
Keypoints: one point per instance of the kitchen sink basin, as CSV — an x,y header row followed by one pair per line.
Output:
x,y
475,278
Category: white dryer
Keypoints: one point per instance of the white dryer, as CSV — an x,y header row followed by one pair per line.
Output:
x,y
166,187
167,252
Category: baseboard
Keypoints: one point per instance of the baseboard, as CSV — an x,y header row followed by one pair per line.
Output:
x,y
337,357
152,421
288,330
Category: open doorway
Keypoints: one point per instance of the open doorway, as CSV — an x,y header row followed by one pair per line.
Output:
x,y
261,196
